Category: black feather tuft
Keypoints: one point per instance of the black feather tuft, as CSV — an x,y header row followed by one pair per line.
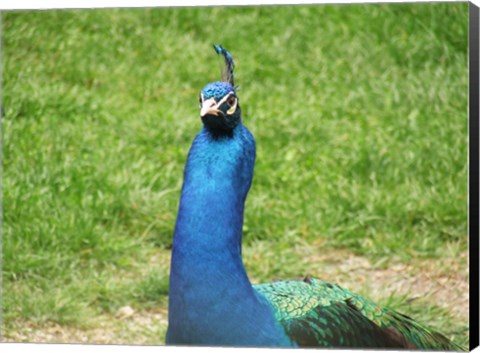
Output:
x,y
227,75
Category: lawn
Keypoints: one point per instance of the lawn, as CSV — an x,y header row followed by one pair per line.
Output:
x,y
360,117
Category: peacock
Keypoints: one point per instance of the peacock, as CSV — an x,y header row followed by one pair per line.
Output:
x,y
211,299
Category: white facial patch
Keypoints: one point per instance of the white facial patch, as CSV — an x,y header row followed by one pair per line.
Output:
x,y
233,107
210,106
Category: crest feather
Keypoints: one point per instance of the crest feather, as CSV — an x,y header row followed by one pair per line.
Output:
x,y
227,74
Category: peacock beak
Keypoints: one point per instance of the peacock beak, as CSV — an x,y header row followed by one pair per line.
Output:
x,y
210,107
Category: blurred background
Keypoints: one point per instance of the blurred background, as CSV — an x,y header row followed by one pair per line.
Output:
x,y
360,117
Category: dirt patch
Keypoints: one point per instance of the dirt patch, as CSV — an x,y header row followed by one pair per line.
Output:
x,y
143,327
443,282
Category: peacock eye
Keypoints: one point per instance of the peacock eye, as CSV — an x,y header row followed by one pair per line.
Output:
x,y
231,101
200,100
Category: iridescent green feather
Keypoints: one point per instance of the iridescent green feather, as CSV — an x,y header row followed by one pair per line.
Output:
x,y
318,313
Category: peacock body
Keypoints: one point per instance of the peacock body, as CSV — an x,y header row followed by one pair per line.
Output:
x,y
211,299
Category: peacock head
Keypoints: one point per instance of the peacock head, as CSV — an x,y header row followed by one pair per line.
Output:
x,y
219,108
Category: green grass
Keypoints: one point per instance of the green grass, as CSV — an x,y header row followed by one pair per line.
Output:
x,y
360,117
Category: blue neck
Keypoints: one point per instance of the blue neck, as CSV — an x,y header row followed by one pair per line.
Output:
x,y
211,300
217,178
